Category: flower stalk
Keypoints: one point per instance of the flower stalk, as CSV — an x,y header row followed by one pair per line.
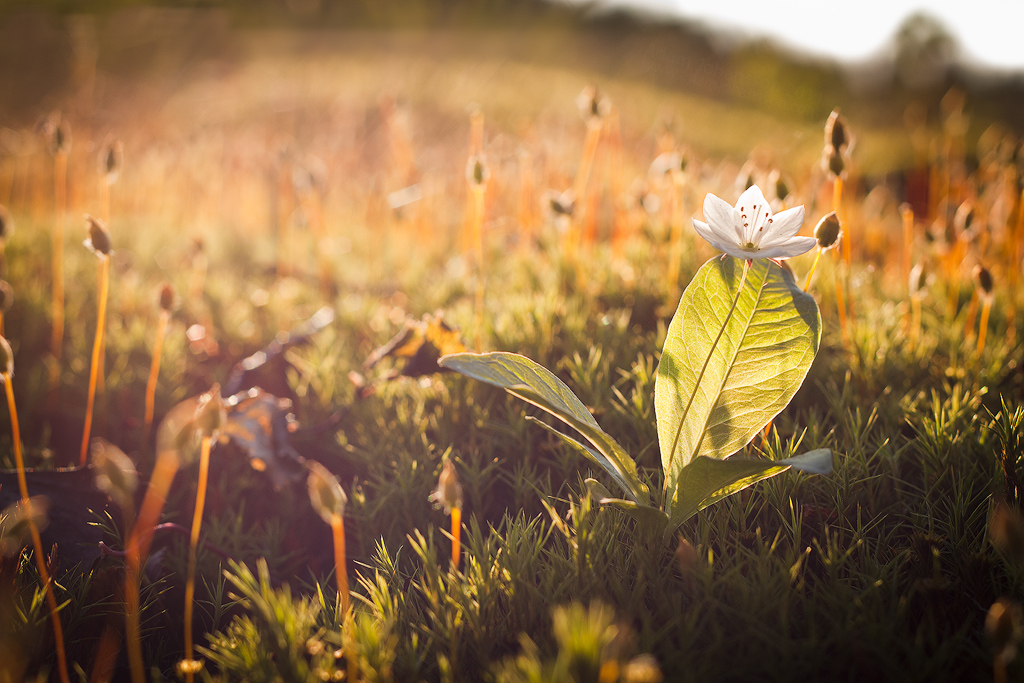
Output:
x,y
166,304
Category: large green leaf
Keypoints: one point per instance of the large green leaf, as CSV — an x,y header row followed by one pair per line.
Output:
x,y
731,364
535,384
707,480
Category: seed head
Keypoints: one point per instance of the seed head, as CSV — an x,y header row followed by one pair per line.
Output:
x,y
56,132
168,298
115,472
6,296
779,184
828,231
477,173
982,277
834,162
6,224
448,493
560,204
918,279
963,220
836,135
210,413
325,493
111,160
98,240
593,105
6,360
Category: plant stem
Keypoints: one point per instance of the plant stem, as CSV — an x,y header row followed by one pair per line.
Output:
x,y
456,535
137,548
340,569
37,542
478,241
807,282
193,545
703,369
580,185
60,171
154,373
97,349
908,240
986,306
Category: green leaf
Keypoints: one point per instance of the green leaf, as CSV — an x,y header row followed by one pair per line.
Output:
x,y
535,384
707,480
731,363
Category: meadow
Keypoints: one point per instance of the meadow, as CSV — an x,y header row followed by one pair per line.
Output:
x,y
299,240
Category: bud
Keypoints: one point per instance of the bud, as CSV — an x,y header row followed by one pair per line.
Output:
x,y
325,493
836,135
778,183
828,231
98,240
111,159
477,173
448,493
6,295
963,220
1003,628
6,360
56,132
982,277
667,163
834,162
168,298
560,204
210,413
593,105
918,279
15,522
6,224
115,472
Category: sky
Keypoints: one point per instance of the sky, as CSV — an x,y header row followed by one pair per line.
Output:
x,y
990,32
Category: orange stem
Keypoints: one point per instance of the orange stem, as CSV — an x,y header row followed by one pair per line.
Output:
x,y
60,170
37,542
97,349
137,549
807,282
193,544
478,238
986,306
456,534
154,373
340,570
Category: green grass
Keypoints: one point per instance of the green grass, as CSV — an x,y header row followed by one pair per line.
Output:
x,y
881,571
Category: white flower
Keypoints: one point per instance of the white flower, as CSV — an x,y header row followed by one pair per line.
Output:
x,y
750,230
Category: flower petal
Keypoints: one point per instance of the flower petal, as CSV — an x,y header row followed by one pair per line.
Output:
x,y
794,246
719,214
754,212
784,225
